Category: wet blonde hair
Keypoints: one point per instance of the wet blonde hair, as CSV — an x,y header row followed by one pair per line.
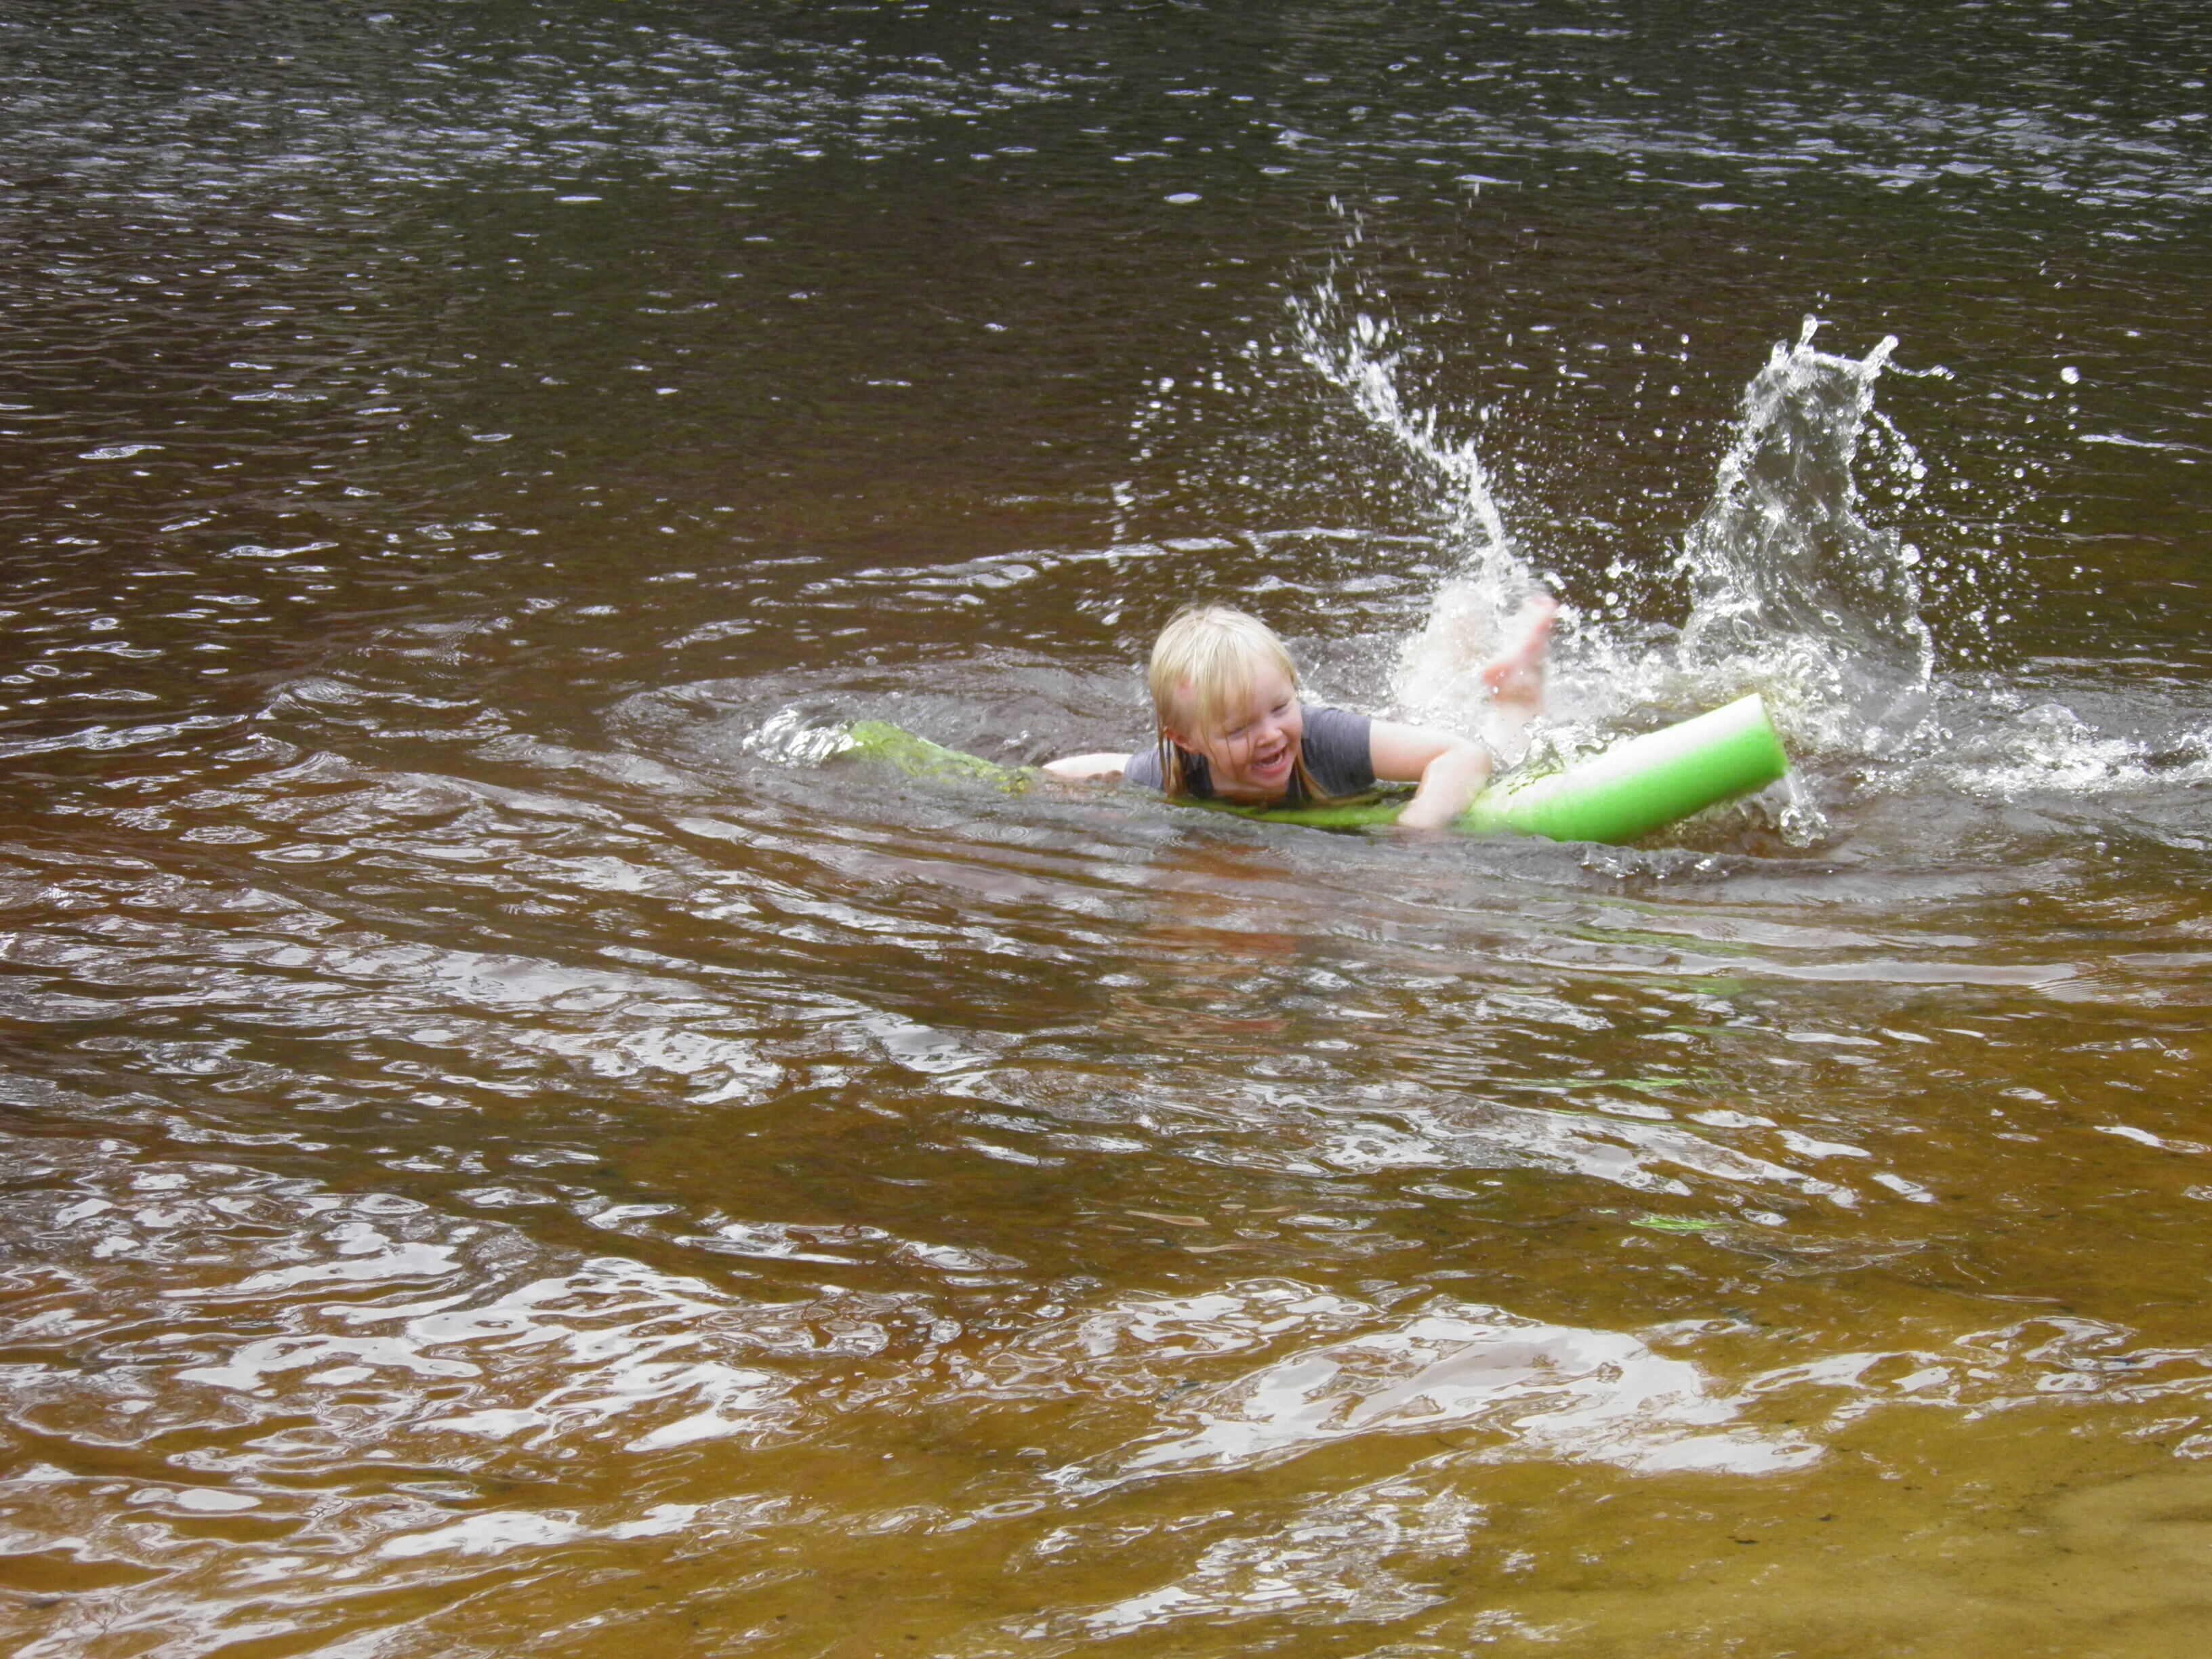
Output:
x,y
1204,660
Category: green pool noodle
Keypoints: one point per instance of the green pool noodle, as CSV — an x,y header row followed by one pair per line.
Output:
x,y
918,757
1622,793
1619,795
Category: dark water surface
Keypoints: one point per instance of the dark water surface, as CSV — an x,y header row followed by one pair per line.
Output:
x,y
507,1147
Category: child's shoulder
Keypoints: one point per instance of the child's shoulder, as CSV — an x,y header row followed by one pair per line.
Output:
x,y
1143,770
1335,749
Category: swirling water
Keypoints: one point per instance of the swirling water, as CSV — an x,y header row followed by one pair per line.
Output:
x,y
506,1146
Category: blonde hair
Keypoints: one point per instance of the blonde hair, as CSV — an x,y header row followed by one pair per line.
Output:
x,y
1202,661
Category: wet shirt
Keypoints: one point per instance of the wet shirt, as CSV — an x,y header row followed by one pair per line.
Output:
x,y
1334,749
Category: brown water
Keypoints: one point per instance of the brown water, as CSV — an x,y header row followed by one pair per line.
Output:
x,y
506,1147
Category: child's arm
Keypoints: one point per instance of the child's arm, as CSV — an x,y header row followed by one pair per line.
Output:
x,y
1079,767
1450,771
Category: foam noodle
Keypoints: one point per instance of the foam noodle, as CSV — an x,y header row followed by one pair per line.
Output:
x,y
1620,795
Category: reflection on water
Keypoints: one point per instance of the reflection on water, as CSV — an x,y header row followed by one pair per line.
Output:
x,y
507,1143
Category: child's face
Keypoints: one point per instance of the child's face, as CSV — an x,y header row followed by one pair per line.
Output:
x,y
1253,747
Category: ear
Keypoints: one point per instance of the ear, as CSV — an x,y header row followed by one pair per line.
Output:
x,y
1180,704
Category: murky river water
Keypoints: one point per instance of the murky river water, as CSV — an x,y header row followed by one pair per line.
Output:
x,y
506,1148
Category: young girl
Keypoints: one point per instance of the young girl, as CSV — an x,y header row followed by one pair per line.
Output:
x,y
1231,725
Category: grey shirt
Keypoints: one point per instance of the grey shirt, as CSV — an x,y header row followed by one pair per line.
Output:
x,y
1333,748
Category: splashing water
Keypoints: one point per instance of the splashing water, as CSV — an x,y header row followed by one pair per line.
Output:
x,y
1352,351
1438,678
1792,591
